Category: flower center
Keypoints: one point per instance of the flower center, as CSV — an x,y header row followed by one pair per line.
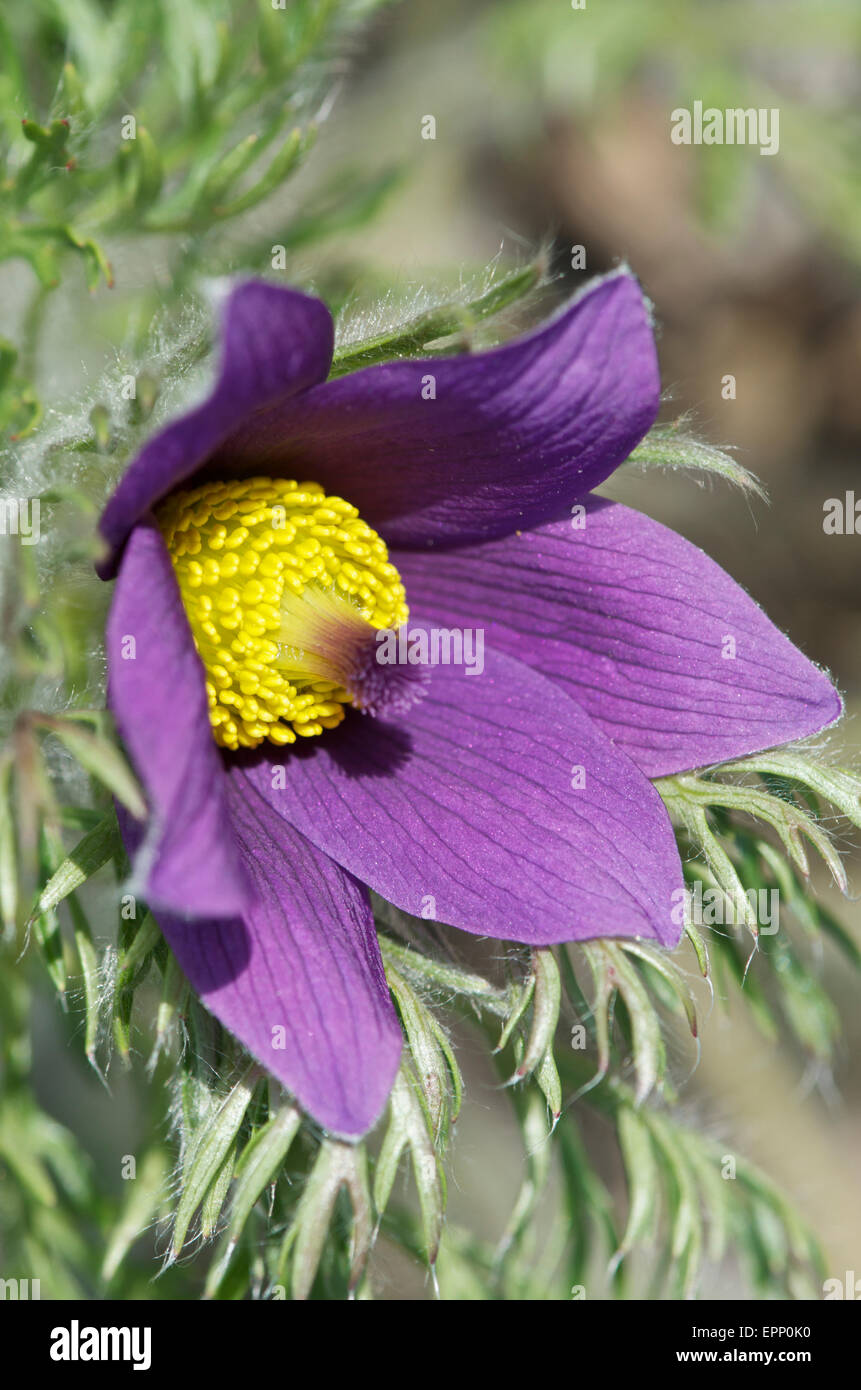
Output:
x,y
285,590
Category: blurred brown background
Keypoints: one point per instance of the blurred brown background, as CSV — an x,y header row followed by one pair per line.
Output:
x,y
553,128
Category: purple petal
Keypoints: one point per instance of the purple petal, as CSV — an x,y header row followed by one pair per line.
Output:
x,y
274,342
635,624
299,981
464,810
511,439
188,860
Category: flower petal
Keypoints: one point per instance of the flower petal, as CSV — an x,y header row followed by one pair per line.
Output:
x,y
511,438
299,980
274,342
494,804
188,860
678,666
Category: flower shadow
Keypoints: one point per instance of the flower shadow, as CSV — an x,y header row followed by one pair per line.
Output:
x,y
361,747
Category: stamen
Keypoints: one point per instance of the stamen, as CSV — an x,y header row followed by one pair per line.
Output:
x,y
285,590
381,690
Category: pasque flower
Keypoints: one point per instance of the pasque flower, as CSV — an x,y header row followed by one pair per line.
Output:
x,y
264,539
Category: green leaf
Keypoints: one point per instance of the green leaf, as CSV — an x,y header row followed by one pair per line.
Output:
x,y
99,757
589,1207
714,1191
430,972
280,167
547,1077
70,99
89,961
226,170
337,1166
432,1057
8,850
613,974
142,1200
671,447
644,1181
145,169
174,991
408,1129
520,1004
417,336
260,1162
137,951
837,785
547,999
210,1146
215,1198
662,965
98,846
19,1149
532,1118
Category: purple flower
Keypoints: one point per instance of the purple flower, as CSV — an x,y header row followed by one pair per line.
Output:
x,y
249,609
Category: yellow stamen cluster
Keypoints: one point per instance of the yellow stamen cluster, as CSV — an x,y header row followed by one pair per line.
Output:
x,y
244,554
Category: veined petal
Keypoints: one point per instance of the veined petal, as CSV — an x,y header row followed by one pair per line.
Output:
x,y
495,805
461,448
298,979
274,342
188,860
674,661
